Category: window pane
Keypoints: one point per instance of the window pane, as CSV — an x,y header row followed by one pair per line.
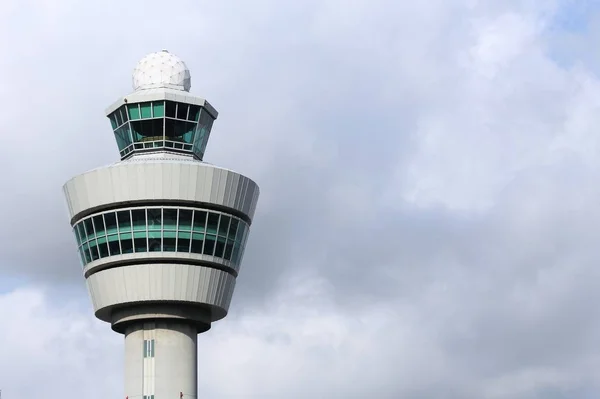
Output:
x,y
179,131
77,238
228,250
124,221
233,227
119,117
147,131
213,223
224,225
183,241
209,244
126,243
154,219
182,110
159,109
86,252
202,133
185,219
139,241
154,241
123,137
82,256
220,247
81,231
241,231
170,109
199,221
138,217
111,222
113,121
89,228
134,111
236,252
124,113
194,113
197,241
99,225
113,244
103,247
170,216
169,241
94,250
146,110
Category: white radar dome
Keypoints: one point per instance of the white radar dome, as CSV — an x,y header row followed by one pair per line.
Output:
x,y
161,69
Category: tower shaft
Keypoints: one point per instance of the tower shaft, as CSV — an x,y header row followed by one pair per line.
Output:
x,y
161,360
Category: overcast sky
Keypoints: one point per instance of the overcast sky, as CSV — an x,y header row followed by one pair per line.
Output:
x,y
429,217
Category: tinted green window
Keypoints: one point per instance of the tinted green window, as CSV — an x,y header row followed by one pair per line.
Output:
x,y
170,219
86,253
119,117
77,238
228,250
197,243
158,107
154,219
82,256
123,136
171,109
138,217
179,131
89,228
202,133
183,241
113,244
194,113
134,111
212,223
140,242
146,110
94,250
233,227
241,232
182,111
102,247
126,243
110,219
146,131
154,241
113,121
169,241
157,229
209,244
220,247
99,225
185,219
81,231
224,225
124,220
236,252
199,221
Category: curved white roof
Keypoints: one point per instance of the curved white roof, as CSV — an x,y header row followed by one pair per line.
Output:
x,y
161,70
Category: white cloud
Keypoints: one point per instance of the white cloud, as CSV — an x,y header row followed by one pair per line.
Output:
x,y
428,217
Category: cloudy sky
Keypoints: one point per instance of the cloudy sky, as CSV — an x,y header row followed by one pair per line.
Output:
x,y
430,198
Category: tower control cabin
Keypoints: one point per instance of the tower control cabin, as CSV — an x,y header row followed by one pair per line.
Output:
x,y
161,234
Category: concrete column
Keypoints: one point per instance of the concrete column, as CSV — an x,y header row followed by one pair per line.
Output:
x,y
172,367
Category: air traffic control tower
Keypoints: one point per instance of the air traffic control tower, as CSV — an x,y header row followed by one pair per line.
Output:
x,y
161,234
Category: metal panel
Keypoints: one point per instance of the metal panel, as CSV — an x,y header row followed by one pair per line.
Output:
x,y
138,283
161,179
